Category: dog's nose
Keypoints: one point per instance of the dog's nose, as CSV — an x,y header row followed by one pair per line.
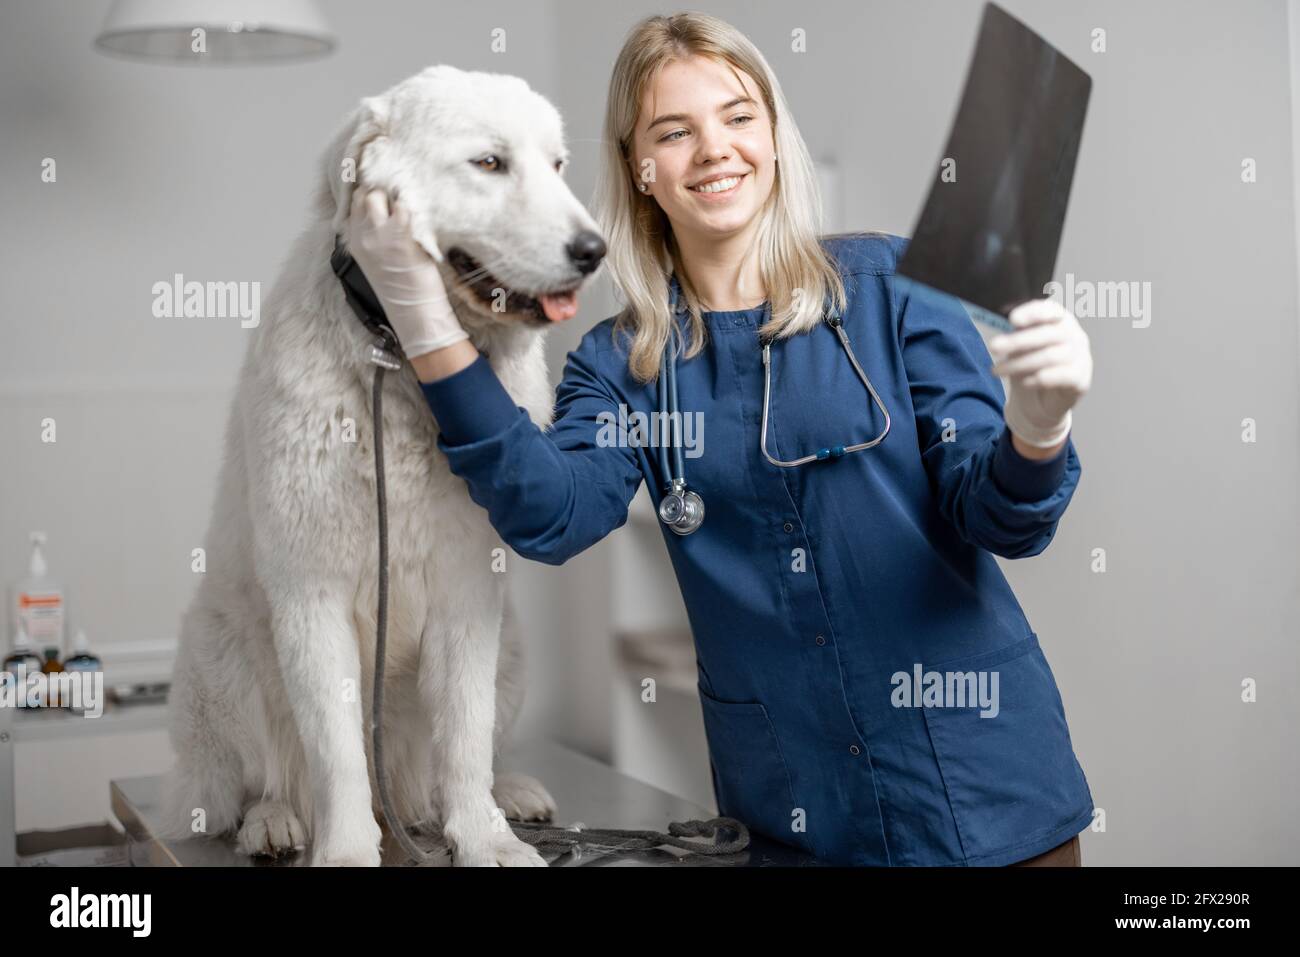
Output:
x,y
586,251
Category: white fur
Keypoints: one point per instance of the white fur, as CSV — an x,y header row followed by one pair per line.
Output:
x,y
272,689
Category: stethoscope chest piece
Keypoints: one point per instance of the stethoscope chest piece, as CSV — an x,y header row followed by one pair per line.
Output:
x,y
681,509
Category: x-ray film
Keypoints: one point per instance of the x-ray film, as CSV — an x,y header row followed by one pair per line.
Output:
x,y
991,226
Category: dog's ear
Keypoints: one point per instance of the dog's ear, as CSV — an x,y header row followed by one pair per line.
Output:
x,y
361,136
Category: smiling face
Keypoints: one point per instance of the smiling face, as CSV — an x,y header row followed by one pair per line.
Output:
x,y
708,135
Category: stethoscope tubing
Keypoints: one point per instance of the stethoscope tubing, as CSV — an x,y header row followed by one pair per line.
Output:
x,y
668,405
835,451
670,409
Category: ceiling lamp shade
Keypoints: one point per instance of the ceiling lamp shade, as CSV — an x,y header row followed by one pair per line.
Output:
x,y
229,31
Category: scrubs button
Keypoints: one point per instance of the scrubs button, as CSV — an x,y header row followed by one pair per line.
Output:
x,y
821,640
854,749
789,527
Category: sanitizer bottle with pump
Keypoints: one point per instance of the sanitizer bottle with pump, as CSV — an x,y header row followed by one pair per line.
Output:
x,y
38,601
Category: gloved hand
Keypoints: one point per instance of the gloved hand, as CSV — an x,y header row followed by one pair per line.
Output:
x,y
402,274
1049,361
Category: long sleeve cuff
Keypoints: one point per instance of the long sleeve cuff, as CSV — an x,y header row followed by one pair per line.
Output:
x,y
472,404
1024,479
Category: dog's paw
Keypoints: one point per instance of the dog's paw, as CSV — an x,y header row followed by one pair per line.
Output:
x,y
518,854
345,857
349,847
484,839
270,829
522,797
500,850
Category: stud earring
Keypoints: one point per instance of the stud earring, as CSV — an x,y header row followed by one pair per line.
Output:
x,y
642,187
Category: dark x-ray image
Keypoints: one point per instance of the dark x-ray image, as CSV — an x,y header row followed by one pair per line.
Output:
x,y
992,223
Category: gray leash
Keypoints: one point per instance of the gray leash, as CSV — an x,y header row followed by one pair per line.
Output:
x,y
549,836
384,356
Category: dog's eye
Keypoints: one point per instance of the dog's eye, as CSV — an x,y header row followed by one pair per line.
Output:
x,y
491,163
559,166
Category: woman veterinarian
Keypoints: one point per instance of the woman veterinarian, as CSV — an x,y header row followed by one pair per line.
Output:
x,y
812,590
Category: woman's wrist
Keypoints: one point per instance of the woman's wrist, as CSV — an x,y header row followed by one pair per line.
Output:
x,y
1034,452
441,363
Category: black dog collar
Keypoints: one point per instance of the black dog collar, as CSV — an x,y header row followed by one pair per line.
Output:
x,y
361,298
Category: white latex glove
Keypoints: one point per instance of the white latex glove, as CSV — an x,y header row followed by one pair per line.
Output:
x,y
402,274
1048,360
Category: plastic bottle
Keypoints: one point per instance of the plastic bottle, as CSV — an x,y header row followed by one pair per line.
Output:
x,y
51,666
38,600
20,663
81,659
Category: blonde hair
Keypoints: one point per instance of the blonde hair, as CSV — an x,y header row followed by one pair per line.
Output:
x,y
797,273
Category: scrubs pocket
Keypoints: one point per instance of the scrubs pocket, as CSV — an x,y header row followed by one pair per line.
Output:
x,y
1012,778
750,779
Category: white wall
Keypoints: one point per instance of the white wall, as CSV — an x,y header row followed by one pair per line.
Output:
x,y
1293,19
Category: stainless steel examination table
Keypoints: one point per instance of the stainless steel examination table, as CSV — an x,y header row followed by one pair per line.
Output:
x,y
585,790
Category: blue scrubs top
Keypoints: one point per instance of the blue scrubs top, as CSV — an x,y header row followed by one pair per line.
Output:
x,y
812,591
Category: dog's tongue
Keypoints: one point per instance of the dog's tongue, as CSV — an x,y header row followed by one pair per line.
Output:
x,y
560,307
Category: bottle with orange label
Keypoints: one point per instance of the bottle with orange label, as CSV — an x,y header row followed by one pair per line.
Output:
x,y
38,601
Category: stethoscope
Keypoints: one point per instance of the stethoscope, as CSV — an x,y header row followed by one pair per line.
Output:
x,y
681,509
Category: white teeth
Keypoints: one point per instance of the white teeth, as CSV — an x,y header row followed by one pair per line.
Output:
x,y
718,185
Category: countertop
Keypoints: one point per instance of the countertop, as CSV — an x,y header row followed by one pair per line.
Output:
x,y
586,791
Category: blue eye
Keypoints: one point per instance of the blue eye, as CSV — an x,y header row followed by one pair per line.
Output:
x,y
672,135
742,116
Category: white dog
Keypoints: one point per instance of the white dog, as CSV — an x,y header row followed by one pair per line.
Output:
x,y
272,689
